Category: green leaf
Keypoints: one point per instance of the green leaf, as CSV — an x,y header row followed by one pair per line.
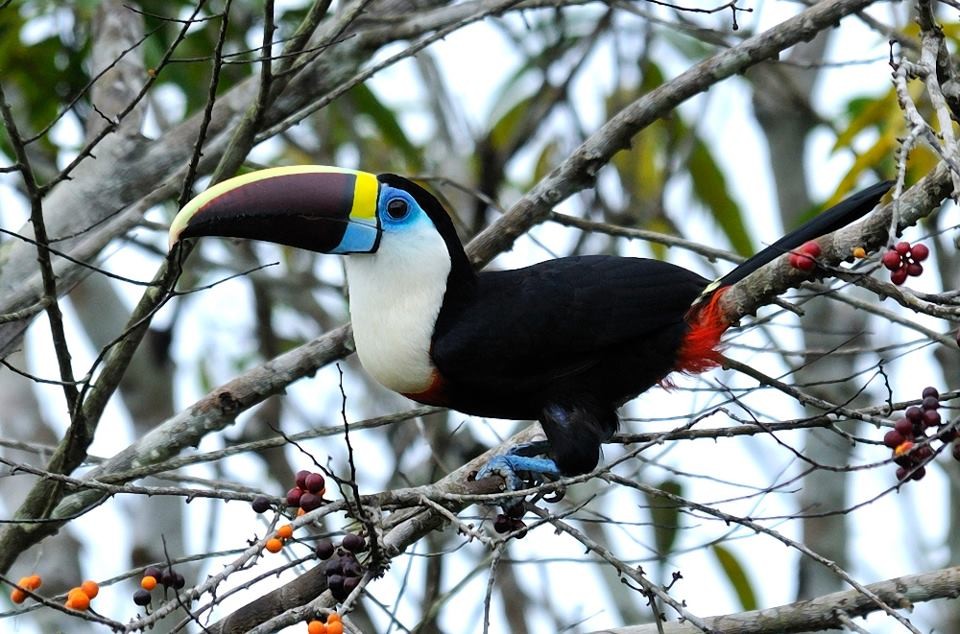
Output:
x,y
385,119
737,577
710,188
665,515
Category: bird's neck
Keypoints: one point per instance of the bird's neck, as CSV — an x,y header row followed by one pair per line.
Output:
x,y
395,297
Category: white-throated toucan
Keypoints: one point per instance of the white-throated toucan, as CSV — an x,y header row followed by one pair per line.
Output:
x,y
566,341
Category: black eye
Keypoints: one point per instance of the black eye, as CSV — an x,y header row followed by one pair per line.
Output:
x,y
397,208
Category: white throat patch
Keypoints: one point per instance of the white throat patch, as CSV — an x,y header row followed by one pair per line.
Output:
x,y
395,297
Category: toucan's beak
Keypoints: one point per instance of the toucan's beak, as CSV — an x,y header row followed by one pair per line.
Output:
x,y
325,209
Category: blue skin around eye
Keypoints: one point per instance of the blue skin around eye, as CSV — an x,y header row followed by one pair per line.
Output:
x,y
414,213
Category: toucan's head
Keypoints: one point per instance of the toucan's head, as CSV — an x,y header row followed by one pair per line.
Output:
x,y
323,209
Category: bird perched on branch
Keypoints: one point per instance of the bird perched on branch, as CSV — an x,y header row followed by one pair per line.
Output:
x,y
566,341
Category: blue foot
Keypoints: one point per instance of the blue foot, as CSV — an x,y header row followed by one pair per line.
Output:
x,y
519,469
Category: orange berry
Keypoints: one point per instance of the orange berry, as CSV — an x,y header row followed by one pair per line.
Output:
x,y
903,448
77,599
333,617
859,252
274,545
285,531
90,588
148,583
300,512
334,627
30,583
18,595
316,627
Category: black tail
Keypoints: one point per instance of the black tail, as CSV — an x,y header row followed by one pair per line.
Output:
x,y
837,217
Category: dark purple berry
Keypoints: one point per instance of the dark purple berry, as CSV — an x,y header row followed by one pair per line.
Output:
x,y
914,414
956,451
261,504
520,527
502,524
293,496
310,502
918,473
153,571
324,549
168,577
352,568
350,584
302,478
141,597
904,460
904,426
947,433
923,453
335,583
333,567
931,391
178,581
931,418
891,439
314,483
891,260
930,402
353,542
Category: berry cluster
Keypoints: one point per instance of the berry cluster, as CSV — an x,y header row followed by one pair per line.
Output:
x,y
275,543
342,569
30,583
152,576
308,494
333,625
904,259
909,440
804,258
79,598
511,521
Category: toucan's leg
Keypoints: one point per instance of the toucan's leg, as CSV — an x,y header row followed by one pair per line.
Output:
x,y
575,429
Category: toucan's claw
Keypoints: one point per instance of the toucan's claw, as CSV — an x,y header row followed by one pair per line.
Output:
x,y
522,467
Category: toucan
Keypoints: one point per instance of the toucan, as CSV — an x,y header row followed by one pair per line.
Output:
x,y
566,341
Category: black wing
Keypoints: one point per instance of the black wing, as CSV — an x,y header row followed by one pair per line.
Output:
x,y
527,328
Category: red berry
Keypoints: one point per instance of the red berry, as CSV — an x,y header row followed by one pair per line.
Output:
x,y
914,270
804,263
891,260
811,248
293,496
931,391
931,418
902,248
919,252
904,427
314,483
899,276
302,478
